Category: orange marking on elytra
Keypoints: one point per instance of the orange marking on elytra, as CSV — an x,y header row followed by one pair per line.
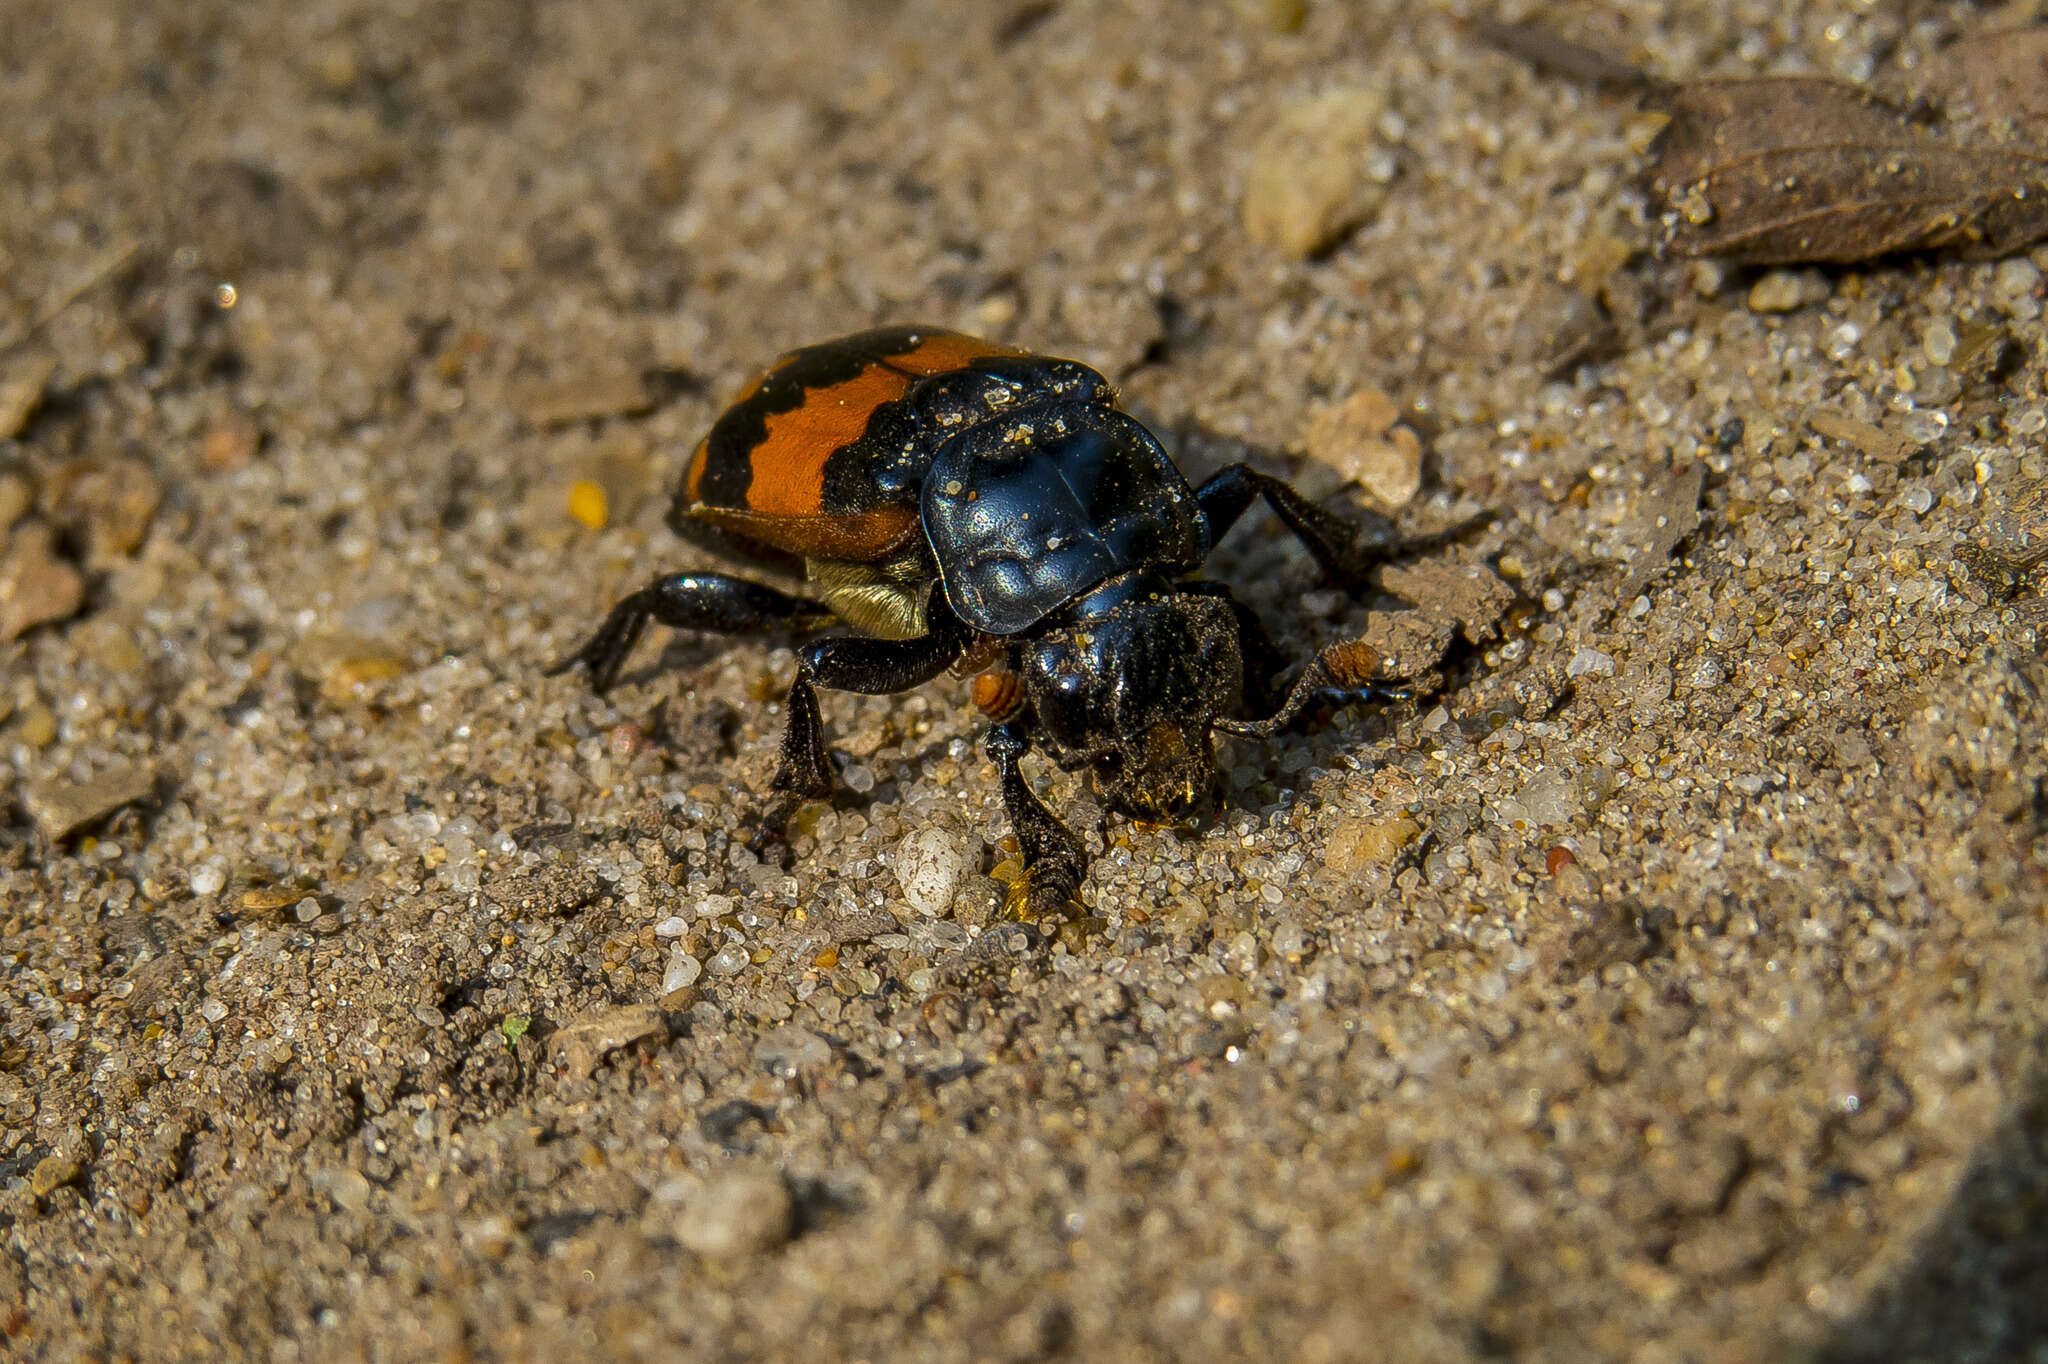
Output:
x,y
944,352
789,463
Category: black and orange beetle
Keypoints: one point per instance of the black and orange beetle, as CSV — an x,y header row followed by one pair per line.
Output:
x,y
958,504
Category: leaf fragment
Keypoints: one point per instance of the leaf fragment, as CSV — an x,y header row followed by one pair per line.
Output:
x,y
1792,170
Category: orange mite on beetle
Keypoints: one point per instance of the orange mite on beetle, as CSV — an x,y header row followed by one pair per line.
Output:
x,y
959,504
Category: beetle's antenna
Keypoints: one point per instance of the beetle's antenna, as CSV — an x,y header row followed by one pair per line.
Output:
x,y
1341,667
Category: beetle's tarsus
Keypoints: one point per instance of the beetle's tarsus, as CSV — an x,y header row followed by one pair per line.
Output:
x,y
1054,860
605,652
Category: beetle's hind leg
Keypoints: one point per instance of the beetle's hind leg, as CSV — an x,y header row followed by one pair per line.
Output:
x,y
856,663
688,601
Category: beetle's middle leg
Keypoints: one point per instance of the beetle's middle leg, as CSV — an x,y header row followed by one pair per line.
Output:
x,y
856,663
715,602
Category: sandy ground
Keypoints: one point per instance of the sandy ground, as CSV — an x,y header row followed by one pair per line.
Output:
x,y
1667,985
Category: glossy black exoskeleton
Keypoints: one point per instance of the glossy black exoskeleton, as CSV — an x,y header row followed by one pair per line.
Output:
x,y
955,504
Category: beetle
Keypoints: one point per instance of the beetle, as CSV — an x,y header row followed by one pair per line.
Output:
x,y
965,505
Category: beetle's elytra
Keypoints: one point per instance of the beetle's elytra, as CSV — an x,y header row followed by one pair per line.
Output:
x,y
957,504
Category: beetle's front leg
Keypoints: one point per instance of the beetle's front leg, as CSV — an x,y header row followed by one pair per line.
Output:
x,y
873,667
1054,860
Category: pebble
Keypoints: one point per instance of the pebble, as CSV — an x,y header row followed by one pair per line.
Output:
x,y
344,664
2016,278
929,864
674,926
740,1214
36,586
17,495
1590,661
787,1050
21,392
683,969
208,880
52,1173
1358,438
1357,843
1309,183
730,960
230,443
1784,291
112,501
588,1039
1938,342
60,808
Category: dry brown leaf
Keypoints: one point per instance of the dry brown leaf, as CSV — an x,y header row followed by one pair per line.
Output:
x,y
1787,170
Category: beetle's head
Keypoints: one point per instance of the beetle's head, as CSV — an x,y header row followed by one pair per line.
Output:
x,y
1128,682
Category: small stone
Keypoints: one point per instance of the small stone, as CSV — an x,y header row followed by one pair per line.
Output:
x,y
1358,438
230,443
674,926
17,495
626,740
1784,291
929,865
52,1173
344,664
21,392
61,808
1924,425
787,1050
36,587
350,1189
743,1213
729,960
592,1037
1356,843
213,1011
1309,182
1590,662
683,970
1938,342
2016,278
112,501
37,726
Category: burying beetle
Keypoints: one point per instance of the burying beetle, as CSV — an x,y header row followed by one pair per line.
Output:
x,y
962,505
